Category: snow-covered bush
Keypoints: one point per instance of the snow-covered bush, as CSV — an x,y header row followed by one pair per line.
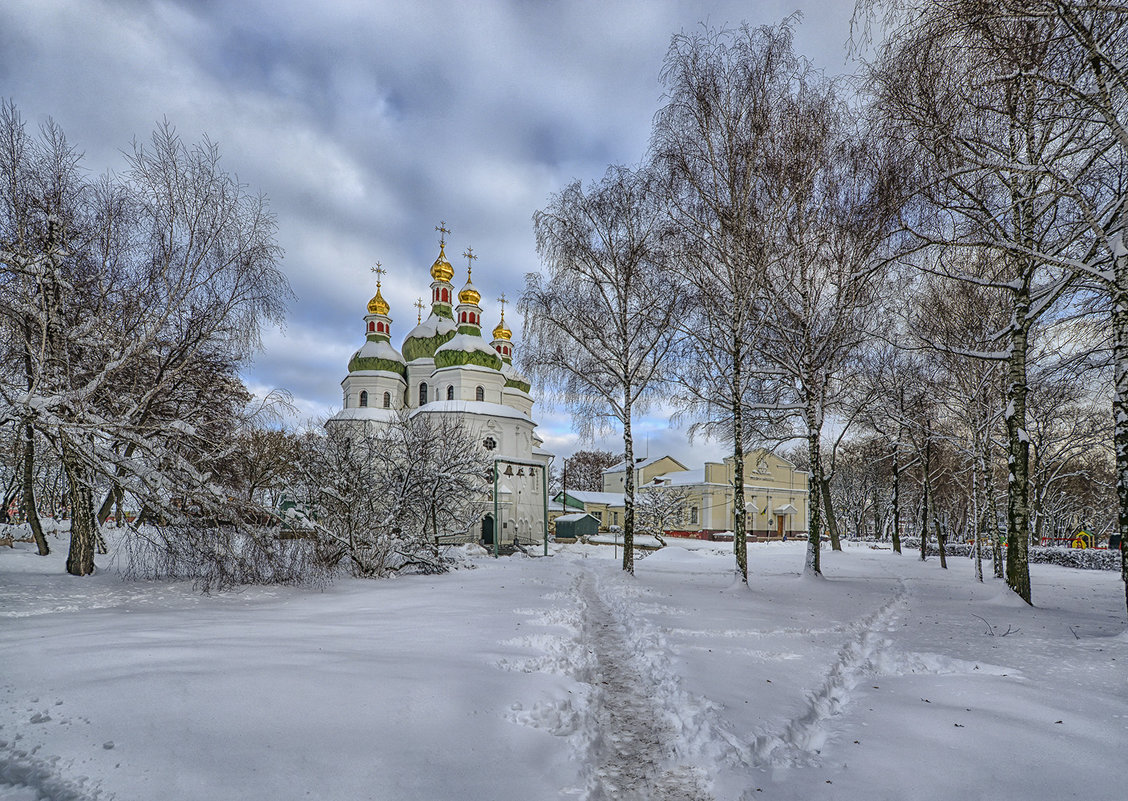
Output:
x,y
219,557
383,498
1081,558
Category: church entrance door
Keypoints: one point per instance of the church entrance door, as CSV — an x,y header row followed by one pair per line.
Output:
x,y
488,529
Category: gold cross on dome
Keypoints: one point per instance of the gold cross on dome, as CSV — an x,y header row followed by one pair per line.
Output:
x,y
469,254
443,232
502,301
419,313
380,272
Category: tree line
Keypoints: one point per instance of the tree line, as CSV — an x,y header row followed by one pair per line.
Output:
x,y
919,269
129,304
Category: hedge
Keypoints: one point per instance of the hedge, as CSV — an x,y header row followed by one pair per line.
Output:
x,y
1080,558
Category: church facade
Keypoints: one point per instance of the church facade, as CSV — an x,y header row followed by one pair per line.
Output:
x,y
446,367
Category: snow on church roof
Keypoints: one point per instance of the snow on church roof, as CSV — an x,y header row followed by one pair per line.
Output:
x,y
467,343
432,326
484,408
372,413
379,349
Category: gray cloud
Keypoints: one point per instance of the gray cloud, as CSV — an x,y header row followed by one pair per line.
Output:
x,y
366,123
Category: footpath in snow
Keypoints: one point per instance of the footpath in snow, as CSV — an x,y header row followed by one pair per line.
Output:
x,y
563,678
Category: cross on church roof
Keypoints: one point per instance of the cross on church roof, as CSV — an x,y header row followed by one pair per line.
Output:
x,y
380,272
443,231
502,301
469,254
419,313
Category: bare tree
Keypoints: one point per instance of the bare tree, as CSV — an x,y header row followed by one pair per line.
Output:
x,y
662,507
583,470
709,139
601,323
130,306
1002,165
384,498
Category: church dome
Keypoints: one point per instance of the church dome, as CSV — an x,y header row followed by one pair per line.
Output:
x,y
378,305
441,269
469,295
421,341
378,355
464,349
501,332
515,380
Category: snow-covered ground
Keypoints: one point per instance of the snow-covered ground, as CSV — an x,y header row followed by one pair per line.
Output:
x,y
561,678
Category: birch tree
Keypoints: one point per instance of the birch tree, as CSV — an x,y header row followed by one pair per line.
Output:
x,y
834,192
1002,164
600,322
709,140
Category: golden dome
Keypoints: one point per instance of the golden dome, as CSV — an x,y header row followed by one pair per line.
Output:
x,y
441,269
501,332
469,295
378,305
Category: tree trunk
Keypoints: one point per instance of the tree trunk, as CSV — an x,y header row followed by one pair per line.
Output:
x,y
831,518
80,559
1120,401
31,512
1018,458
628,489
979,507
941,536
926,494
897,496
814,534
739,527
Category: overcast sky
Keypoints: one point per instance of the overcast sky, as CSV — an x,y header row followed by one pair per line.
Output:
x,y
366,123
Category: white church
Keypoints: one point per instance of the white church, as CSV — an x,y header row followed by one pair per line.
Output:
x,y
446,367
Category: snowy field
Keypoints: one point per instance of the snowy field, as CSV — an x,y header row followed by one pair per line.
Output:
x,y
560,678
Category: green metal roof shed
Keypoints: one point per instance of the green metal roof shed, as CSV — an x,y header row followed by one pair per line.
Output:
x,y
574,526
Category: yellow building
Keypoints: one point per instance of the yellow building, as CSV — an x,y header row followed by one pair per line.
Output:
x,y
775,496
646,470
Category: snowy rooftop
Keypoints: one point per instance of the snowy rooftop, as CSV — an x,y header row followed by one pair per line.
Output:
x,y
572,518
472,407
430,327
679,478
379,349
609,498
365,413
621,466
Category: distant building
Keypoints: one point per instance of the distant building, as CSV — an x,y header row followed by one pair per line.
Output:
x,y
775,495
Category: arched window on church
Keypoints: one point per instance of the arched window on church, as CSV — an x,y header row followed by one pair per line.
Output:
x,y
371,326
363,399
422,393
450,393
446,296
387,400
479,394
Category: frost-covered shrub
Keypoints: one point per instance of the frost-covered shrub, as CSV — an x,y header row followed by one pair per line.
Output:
x,y
383,498
1080,558
220,557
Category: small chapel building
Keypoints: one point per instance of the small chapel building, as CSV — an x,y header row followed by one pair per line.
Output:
x,y
446,367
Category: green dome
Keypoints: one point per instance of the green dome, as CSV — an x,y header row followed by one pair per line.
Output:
x,y
423,340
467,349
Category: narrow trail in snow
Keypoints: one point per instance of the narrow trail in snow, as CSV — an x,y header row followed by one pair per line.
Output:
x,y
633,754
